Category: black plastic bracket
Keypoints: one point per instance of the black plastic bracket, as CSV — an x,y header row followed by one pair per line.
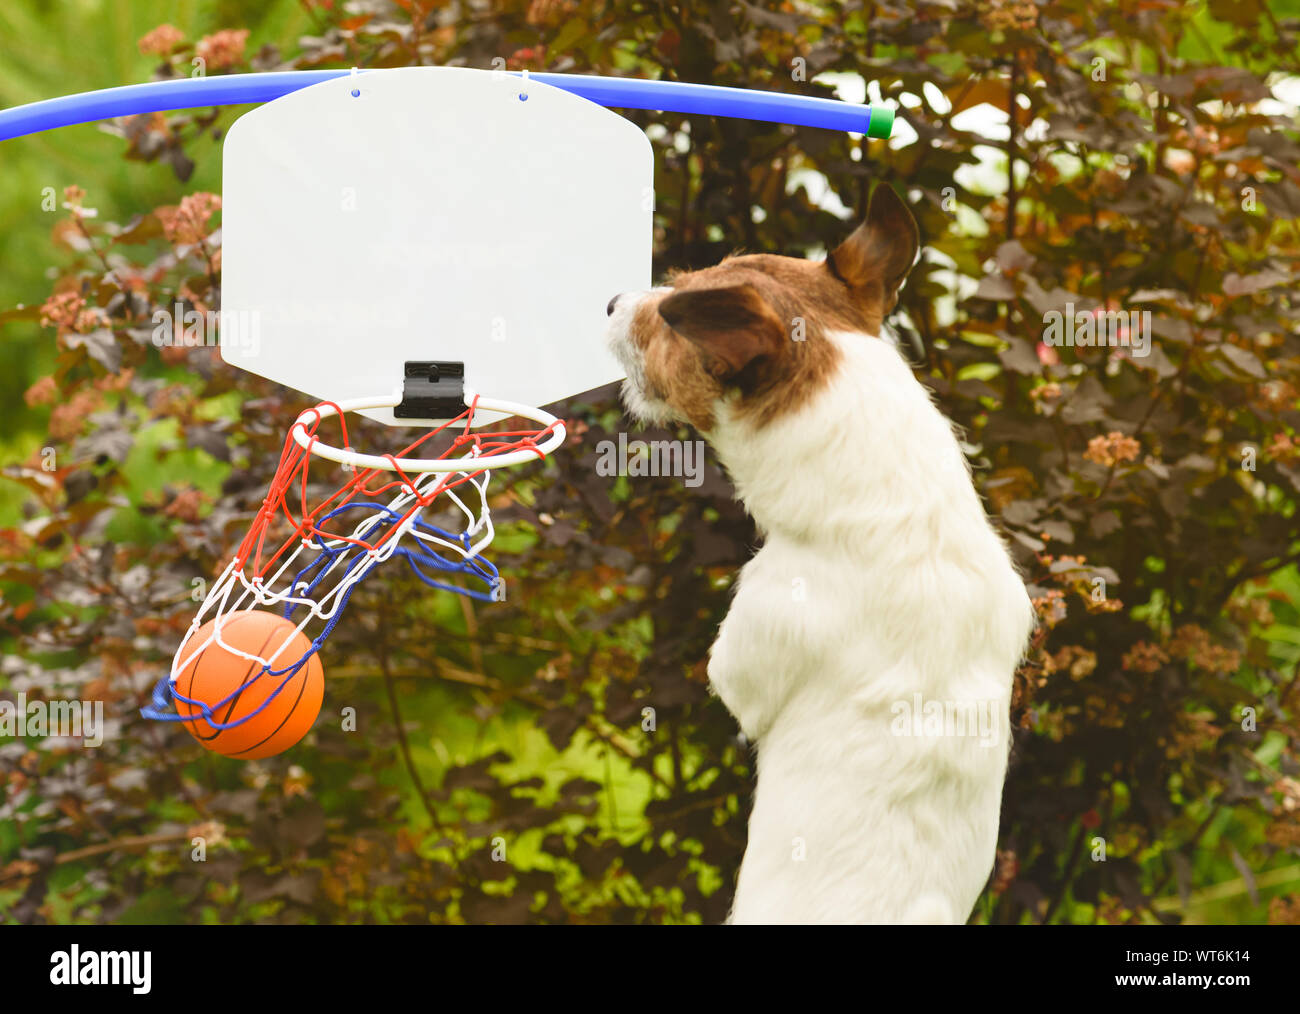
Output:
x,y
432,390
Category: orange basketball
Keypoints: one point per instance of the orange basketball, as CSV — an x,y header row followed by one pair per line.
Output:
x,y
215,673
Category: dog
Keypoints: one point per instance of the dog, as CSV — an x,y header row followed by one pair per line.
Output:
x,y
882,606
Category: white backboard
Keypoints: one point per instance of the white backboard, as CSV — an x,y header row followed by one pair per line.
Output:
x,y
434,216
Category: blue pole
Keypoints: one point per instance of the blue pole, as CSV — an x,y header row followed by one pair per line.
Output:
x,y
614,92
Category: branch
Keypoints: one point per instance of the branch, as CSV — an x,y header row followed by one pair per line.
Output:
x,y
397,715
129,842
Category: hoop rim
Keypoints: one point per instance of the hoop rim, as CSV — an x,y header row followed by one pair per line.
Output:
x,y
327,410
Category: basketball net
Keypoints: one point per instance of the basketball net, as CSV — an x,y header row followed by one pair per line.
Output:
x,y
335,543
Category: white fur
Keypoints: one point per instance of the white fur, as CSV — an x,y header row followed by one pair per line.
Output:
x,y
879,578
639,404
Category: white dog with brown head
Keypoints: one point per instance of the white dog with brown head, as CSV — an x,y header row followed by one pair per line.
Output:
x,y
871,643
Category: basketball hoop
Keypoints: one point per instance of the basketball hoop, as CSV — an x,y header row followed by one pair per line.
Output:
x,y
338,541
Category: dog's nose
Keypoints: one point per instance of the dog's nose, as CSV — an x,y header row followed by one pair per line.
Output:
x,y
609,310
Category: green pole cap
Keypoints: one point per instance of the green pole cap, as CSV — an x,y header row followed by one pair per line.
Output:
x,y
880,122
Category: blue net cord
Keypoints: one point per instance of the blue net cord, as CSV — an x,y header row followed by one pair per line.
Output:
x,y
165,695
474,566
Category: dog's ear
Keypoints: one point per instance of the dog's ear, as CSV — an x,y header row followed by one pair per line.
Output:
x,y
734,326
876,258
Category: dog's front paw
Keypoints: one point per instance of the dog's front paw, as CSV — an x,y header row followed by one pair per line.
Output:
x,y
732,679
721,665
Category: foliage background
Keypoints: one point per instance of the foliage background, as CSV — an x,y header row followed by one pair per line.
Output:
x,y
1163,177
